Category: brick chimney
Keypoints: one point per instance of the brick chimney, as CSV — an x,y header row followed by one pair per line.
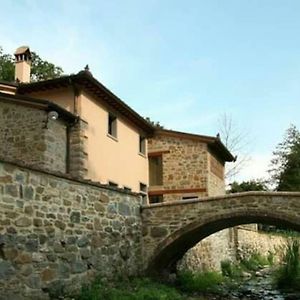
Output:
x,y
22,64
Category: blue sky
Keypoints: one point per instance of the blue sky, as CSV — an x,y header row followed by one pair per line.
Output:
x,y
183,63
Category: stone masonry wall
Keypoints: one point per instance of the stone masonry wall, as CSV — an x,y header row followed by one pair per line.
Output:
x,y
184,165
24,138
57,233
250,241
216,179
231,244
78,154
208,254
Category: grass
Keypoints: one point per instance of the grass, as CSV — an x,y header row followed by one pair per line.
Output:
x,y
136,289
189,283
231,270
287,275
199,282
255,262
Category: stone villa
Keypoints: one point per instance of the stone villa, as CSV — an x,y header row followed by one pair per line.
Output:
x,y
82,176
76,164
96,136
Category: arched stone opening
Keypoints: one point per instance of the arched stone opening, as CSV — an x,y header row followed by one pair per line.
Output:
x,y
172,249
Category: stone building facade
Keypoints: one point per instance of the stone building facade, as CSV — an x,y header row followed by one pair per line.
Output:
x,y
29,136
185,166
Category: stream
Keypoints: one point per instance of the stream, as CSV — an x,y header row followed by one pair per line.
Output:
x,y
258,287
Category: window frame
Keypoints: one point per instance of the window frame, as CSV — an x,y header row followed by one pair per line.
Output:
x,y
142,145
112,126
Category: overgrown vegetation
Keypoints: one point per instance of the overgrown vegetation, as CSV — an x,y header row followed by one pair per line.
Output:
x,y
135,289
288,274
189,284
199,282
253,263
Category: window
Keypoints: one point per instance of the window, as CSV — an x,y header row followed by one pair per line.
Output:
x,y
190,197
156,199
127,189
143,192
142,146
112,125
113,184
155,170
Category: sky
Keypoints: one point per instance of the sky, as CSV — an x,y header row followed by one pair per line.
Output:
x,y
185,64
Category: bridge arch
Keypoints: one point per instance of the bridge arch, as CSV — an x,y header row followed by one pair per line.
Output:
x,y
218,213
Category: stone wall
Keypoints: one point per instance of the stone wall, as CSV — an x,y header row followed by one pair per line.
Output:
x,y
24,138
184,166
216,178
249,241
78,153
231,244
208,254
57,233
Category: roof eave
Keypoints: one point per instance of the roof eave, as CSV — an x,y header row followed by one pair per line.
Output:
x,y
91,84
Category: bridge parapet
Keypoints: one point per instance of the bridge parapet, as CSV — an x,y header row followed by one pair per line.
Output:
x,y
170,229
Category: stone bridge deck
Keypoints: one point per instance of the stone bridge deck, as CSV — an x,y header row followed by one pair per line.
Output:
x,y
170,229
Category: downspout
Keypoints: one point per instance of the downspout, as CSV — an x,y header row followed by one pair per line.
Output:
x,y
76,92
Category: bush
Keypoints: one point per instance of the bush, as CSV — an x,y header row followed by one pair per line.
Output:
x,y
230,270
137,289
254,262
199,282
288,275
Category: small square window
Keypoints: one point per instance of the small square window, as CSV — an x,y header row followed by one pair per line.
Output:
x,y
143,188
156,199
142,145
112,125
127,189
143,192
189,197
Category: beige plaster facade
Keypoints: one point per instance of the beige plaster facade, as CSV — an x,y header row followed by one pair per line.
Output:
x,y
110,159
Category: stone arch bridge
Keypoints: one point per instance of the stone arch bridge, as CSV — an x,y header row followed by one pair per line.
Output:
x,y
170,229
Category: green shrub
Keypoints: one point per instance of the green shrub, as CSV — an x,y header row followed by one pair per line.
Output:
x,y
137,289
230,269
254,262
270,258
199,282
288,275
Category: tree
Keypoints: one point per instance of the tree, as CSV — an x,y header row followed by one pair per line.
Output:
x,y
40,69
43,70
237,141
285,171
7,68
245,186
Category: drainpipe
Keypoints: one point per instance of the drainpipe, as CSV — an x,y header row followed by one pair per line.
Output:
x,y
76,92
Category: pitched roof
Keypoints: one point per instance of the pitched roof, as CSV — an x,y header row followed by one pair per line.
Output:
x,y
214,143
85,80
